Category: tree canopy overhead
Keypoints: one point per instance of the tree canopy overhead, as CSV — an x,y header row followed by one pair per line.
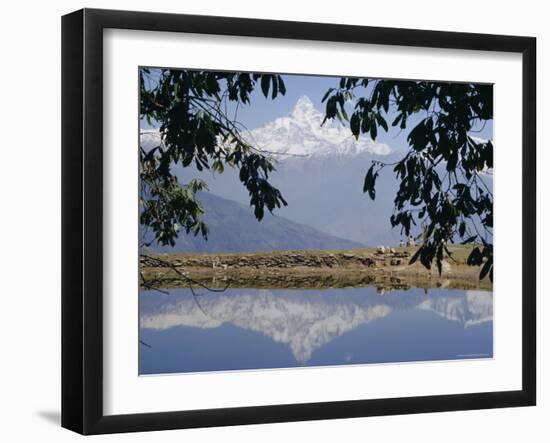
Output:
x,y
441,177
190,109
442,195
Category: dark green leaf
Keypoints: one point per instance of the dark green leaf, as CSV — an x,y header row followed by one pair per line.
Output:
x,y
265,85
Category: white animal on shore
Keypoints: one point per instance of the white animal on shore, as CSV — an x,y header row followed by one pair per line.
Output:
x,y
411,242
381,249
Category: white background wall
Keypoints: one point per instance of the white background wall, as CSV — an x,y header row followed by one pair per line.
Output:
x,y
30,219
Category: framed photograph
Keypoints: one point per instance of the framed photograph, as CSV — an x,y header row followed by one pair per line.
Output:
x,y
269,221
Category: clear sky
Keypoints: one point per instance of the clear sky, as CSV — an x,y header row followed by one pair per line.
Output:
x,y
296,85
262,110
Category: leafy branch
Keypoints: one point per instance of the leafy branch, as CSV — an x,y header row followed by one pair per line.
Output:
x,y
441,194
190,110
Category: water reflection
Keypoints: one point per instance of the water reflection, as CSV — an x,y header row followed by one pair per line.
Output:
x,y
259,328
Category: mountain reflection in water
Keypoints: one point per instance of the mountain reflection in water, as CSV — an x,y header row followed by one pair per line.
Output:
x,y
258,328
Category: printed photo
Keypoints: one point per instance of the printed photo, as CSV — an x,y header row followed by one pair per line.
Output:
x,y
294,221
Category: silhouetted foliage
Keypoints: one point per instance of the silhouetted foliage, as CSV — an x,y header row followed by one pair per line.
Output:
x,y
190,110
441,177
441,186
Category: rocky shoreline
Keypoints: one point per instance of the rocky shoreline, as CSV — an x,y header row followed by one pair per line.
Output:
x,y
282,259
311,268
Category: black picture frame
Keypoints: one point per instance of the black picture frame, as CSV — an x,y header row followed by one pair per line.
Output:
x,y
82,232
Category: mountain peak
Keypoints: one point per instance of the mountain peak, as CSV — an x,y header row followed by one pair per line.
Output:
x,y
305,103
301,133
304,110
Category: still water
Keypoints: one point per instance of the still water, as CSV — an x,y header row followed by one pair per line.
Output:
x,y
280,328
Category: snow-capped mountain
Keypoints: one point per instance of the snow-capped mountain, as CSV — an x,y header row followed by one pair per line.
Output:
x,y
308,320
320,171
300,134
149,138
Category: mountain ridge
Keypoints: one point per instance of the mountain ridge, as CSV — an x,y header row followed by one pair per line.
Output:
x,y
233,228
320,171
302,133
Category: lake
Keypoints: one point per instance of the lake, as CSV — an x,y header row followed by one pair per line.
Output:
x,y
247,328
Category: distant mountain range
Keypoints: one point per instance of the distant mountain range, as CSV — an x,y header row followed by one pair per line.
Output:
x,y
320,172
233,228
300,134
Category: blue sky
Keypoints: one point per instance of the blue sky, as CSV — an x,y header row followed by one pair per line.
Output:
x,y
262,111
297,85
